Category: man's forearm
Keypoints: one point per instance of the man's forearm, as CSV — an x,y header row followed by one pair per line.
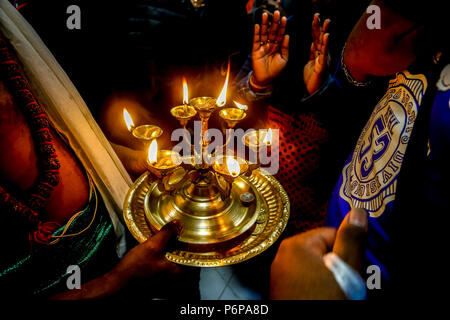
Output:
x,y
133,160
103,286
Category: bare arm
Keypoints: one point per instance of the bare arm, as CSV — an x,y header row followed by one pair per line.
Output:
x,y
134,160
145,260
381,52
97,288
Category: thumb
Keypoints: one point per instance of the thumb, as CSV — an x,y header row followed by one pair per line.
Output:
x,y
160,239
351,238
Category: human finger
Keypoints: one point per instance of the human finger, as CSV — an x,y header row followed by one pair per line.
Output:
x,y
351,236
316,27
312,51
285,47
160,239
325,26
256,38
273,30
264,27
319,44
281,30
321,240
324,49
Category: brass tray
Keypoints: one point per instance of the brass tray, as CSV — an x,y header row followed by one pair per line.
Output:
x,y
272,217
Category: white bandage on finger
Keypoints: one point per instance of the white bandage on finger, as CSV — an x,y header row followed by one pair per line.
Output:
x,y
348,279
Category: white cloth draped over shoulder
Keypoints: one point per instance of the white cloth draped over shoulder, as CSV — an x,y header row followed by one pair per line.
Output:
x,y
69,114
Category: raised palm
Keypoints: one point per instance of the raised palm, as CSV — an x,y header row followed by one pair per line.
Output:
x,y
315,68
270,48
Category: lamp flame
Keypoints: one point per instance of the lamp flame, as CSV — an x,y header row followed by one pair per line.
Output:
x,y
185,92
268,138
128,121
241,106
153,152
233,167
222,99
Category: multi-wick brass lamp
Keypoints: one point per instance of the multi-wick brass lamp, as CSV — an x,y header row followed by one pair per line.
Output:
x,y
230,209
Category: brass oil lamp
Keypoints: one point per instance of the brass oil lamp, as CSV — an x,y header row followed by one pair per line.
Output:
x,y
144,133
229,210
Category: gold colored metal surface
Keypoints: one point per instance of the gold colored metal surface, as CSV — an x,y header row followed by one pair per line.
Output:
x,y
217,231
203,104
206,217
232,116
183,113
166,160
220,166
255,138
147,132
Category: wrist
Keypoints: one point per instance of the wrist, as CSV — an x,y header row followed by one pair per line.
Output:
x,y
258,85
352,76
351,283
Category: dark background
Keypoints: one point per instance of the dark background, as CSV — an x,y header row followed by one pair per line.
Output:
x,y
138,44
151,44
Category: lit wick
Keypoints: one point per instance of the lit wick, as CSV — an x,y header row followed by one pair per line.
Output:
x,y
241,107
128,120
144,133
184,112
233,167
185,95
222,99
268,138
153,153
162,160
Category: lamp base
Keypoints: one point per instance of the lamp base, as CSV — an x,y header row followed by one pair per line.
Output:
x,y
216,231
206,217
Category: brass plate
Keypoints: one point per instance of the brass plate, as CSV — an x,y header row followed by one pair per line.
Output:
x,y
271,221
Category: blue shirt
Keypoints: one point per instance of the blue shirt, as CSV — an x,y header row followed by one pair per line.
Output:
x,y
369,177
439,147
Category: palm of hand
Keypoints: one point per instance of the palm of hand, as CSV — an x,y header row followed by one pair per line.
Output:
x,y
270,48
267,65
317,64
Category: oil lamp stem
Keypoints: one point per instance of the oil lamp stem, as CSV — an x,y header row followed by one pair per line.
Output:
x,y
204,130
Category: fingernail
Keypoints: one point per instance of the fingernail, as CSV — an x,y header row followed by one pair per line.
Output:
x,y
358,217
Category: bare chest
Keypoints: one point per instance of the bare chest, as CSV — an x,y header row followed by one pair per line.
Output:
x,y
19,163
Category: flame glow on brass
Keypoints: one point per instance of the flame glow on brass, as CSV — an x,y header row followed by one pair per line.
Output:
x,y
185,92
153,152
268,138
128,120
240,106
233,167
222,99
